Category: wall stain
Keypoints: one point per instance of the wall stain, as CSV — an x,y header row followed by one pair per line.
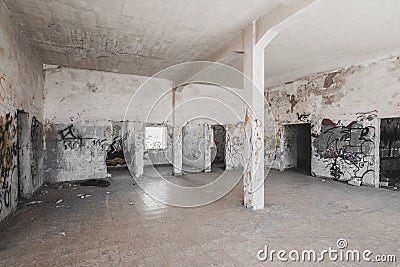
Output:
x,y
329,79
293,102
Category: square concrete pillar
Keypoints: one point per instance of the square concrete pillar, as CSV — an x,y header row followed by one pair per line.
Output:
x,y
208,139
138,152
177,151
253,178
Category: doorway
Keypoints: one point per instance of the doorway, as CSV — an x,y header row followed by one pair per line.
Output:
x,y
297,150
389,153
218,149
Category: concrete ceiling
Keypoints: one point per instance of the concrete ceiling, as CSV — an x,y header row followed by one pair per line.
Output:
x,y
331,34
132,36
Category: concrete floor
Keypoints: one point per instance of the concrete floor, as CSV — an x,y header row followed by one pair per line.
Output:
x,y
122,226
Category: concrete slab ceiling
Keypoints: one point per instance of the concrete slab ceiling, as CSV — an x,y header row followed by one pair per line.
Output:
x,y
132,36
333,34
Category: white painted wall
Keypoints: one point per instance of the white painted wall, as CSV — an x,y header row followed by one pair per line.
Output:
x,y
82,94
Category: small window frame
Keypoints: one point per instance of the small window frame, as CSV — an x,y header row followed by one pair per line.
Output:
x,y
159,134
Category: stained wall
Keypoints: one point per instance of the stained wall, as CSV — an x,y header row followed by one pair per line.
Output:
x,y
344,108
21,88
85,112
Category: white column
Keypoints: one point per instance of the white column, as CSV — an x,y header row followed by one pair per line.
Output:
x,y
177,151
208,139
139,135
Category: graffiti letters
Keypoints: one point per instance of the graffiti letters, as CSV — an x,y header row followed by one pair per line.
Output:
x,y
8,156
349,149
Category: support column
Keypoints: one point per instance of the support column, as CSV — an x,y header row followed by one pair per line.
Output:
x,y
176,136
253,178
208,139
139,135
177,151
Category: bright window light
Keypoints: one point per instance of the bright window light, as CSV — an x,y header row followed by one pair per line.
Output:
x,y
156,138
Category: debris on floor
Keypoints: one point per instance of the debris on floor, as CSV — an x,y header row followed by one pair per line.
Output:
x,y
43,192
130,203
59,201
96,182
83,196
58,232
355,182
390,179
34,202
108,175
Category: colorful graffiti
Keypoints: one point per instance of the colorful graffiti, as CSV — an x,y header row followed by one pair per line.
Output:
x,y
8,156
349,150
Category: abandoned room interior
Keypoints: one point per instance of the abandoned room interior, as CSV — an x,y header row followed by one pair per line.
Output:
x,y
199,133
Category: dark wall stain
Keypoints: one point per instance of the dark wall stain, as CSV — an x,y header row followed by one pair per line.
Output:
x,y
329,79
92,87
293,102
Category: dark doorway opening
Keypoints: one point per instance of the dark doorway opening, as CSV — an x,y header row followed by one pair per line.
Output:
x,y
298,147
218,150
389,153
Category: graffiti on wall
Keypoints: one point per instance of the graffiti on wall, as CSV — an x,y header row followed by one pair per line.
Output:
x,y
8,155
349,150
111,141
272,145
115,154
37,148
71,139
235,138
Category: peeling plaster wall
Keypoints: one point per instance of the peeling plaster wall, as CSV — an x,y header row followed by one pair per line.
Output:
x,y
84,113
214,105
234,146
344,108
21,88
193,146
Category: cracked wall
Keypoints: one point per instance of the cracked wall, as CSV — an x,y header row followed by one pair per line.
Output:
x,y
344,108
84,120
21,88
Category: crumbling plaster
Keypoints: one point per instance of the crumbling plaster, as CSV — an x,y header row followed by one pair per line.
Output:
x,y
83,111
21,88
349,100
155,34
